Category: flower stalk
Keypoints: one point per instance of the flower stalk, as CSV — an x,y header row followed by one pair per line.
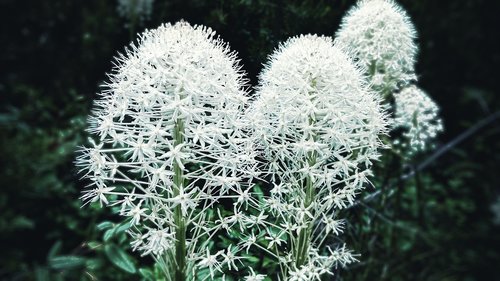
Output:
x,y
179,220
304,238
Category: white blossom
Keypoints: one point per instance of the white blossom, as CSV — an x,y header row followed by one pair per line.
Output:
x,y
314,116
417,116
172,140
252,276
382,37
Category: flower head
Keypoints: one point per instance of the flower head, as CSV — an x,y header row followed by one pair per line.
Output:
x,y
252,276
417,115
317,127
171,135
381,36
314,115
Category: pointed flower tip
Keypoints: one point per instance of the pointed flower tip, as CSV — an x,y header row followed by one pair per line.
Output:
x,y
171,116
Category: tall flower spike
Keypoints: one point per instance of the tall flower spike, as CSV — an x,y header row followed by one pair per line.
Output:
x,y
317,127
417,115
171,143
381,36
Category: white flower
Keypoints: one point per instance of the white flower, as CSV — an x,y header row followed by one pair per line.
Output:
x,y
98,193
230,258
331,225
303,274
382,37
417,115
172,135
154,241
252,276
210,261
248,242
314,115
274,239
136,212
185,200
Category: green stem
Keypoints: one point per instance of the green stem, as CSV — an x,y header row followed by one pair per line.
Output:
x,y
301,250
304,239
179,220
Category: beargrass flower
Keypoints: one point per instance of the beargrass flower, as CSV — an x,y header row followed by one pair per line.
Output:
x,y
171,144
317,128
381,36
417,116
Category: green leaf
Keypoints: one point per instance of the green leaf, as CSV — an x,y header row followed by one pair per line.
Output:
x,y
94,264
258,192
42,274
66,262
202,274
108,234
252,259
123,227
94,245
119,258
146,274
22,222
54,250
268,262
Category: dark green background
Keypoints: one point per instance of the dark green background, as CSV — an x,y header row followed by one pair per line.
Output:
x,y
54,55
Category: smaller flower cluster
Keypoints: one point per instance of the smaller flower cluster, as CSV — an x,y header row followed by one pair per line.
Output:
x,y
381,36
417,115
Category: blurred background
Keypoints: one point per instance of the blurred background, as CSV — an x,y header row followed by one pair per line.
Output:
x,y
55,54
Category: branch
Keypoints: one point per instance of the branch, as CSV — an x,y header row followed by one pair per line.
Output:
x,y
442,150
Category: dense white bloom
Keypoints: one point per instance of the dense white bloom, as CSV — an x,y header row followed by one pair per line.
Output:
x,y
135,10
417,115
317,127
382,37
172,139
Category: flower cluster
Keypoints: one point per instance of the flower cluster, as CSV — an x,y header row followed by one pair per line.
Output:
x,y
172,143
135,10
177,136
381,36
417,115
317,127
